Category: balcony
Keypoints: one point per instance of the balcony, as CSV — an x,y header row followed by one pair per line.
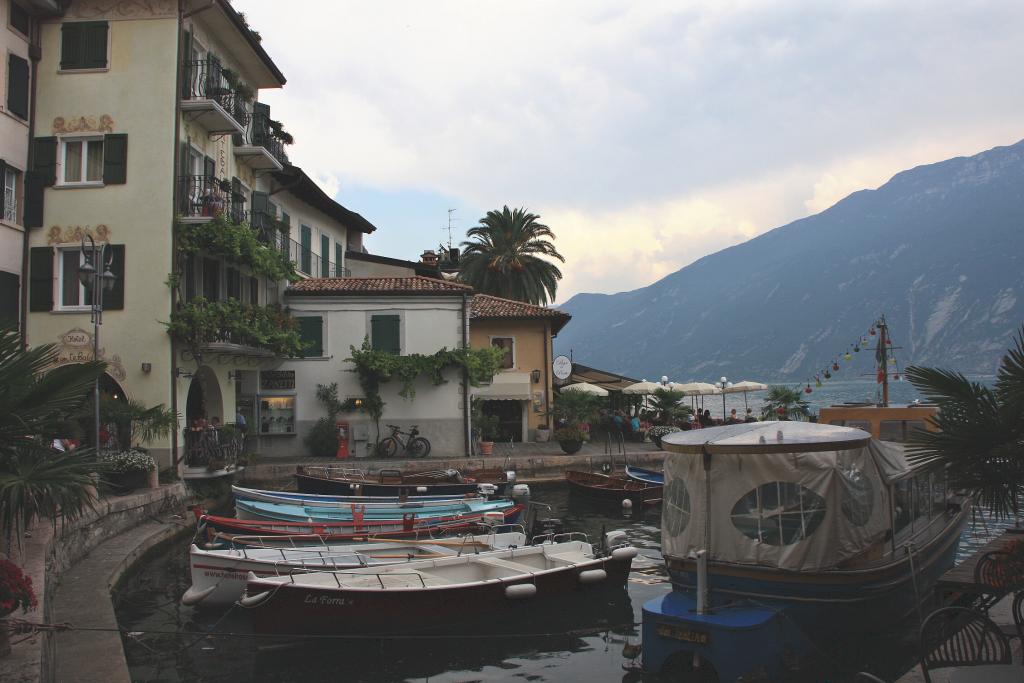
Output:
x,y
203,198
312,265
270,231
261,150
232,328
207,99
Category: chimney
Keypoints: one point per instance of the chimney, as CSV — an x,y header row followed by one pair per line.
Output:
x,y
428,257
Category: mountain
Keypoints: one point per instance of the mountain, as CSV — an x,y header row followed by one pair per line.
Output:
x,y
938,249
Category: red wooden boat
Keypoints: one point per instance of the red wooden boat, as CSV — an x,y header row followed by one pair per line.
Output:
x,y
613,488
354,530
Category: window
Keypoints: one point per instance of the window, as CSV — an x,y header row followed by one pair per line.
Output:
x,y
83,45
72,294
509,346
254,291
211,279
677,507
857,495
17,86
311,332
385,333
19,19
9,177
82,160
778,513
899,430
234,283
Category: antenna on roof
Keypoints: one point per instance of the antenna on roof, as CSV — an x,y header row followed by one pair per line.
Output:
x,y
449,228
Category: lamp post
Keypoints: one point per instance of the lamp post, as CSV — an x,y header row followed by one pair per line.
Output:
x,y
97,278
724,383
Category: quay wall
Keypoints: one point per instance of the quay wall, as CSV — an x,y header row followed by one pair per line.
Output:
x,y
49,551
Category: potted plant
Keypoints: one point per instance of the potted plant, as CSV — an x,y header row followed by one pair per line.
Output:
x,y
570,439
127,470
487,428
543,434
15,593
656,433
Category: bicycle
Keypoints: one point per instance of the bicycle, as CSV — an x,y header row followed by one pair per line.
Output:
x,y
416,446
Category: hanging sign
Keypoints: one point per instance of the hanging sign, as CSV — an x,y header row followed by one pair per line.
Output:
x,y
277,379
561,367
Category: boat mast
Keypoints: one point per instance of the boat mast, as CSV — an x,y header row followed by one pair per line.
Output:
x,y
882,357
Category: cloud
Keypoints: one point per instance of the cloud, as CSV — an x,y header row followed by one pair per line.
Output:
x,y
648,124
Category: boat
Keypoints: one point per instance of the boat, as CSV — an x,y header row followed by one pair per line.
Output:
x,y
421,596
613,488
784,539
645,475
219,575
392,482
284,512
357,529
321,500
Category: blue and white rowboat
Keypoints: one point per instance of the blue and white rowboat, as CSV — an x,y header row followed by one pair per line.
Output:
x,y
259,511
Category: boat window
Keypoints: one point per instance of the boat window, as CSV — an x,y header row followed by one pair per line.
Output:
x,y
923,499
779,513
938,493
677,507
855,424
858,495
898,430
902,505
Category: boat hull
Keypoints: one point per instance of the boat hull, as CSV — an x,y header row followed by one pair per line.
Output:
x,y
342,487
295,609
645,476
613,489
288,512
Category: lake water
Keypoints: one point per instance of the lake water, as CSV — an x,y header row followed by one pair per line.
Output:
x,y
174,643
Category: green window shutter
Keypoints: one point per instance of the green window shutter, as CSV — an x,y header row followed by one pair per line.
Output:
x,y
260,210
384,333
40,282
115,159
3,181
94,39
325,256
209,167
17,86
311,331
33,200
10,294
114,299
211,279
186,65
44,160
339,258
306,241
190,277
254,291
71,46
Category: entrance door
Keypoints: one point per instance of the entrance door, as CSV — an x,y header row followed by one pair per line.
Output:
x,y
510,418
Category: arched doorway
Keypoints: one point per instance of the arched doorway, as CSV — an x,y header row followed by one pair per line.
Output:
x,y
112,401
204,398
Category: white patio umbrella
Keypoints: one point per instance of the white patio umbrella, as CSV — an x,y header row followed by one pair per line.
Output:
x,y
745,387
696,389
642,388
586,388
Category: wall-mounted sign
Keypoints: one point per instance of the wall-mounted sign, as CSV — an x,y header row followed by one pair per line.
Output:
x,y
277,379
75,346
562,367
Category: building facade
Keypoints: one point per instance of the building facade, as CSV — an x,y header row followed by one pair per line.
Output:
x,y
150,140
401,315
521,395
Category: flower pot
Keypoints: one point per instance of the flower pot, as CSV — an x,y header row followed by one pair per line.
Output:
x,y
570,447
125,482
486,447
153,478
542,435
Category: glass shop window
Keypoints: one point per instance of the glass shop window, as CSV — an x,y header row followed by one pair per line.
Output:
x,y
778,513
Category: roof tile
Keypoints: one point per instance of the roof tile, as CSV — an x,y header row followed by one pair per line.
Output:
x,y
376,285
486,306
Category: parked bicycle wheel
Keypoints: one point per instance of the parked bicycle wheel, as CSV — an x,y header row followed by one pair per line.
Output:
x,y
418,448
387,447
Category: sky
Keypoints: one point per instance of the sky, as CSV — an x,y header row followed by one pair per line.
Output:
x,y
645,134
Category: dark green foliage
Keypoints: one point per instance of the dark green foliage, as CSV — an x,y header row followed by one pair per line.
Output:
x,y
981,430
322,440
508,254
135,423
784,403
200,322
666,403
237,242
576,407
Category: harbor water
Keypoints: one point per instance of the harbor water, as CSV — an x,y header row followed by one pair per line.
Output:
x,y
168,642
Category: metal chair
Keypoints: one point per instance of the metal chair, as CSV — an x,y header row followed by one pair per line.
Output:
x,y
960,637
868,678
996,574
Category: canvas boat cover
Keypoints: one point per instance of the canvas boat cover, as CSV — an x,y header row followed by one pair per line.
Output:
x,y
792,495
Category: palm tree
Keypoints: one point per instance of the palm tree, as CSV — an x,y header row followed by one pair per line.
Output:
x,y
666,403
35,401
784,403
980,435
506,257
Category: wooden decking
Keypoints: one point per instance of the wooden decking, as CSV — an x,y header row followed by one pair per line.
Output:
x,y
957,586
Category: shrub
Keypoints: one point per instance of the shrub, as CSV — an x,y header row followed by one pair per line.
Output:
x,y
15,589
322,440
570,434
123,462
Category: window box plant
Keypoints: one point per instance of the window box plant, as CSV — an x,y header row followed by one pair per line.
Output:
x,y
127,470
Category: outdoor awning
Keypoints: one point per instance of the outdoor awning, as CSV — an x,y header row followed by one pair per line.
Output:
x,y
506,386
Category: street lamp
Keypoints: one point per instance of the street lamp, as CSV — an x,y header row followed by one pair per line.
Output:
x,y
724,384
96,283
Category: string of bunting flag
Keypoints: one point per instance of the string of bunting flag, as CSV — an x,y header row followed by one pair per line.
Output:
x,y
885,360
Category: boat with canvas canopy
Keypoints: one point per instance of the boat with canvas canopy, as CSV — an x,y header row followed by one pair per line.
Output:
x,y
778,535
219,575
417,596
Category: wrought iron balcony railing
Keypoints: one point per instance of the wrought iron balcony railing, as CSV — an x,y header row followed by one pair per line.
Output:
x,y
203,196
260,133
308,263
204,80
